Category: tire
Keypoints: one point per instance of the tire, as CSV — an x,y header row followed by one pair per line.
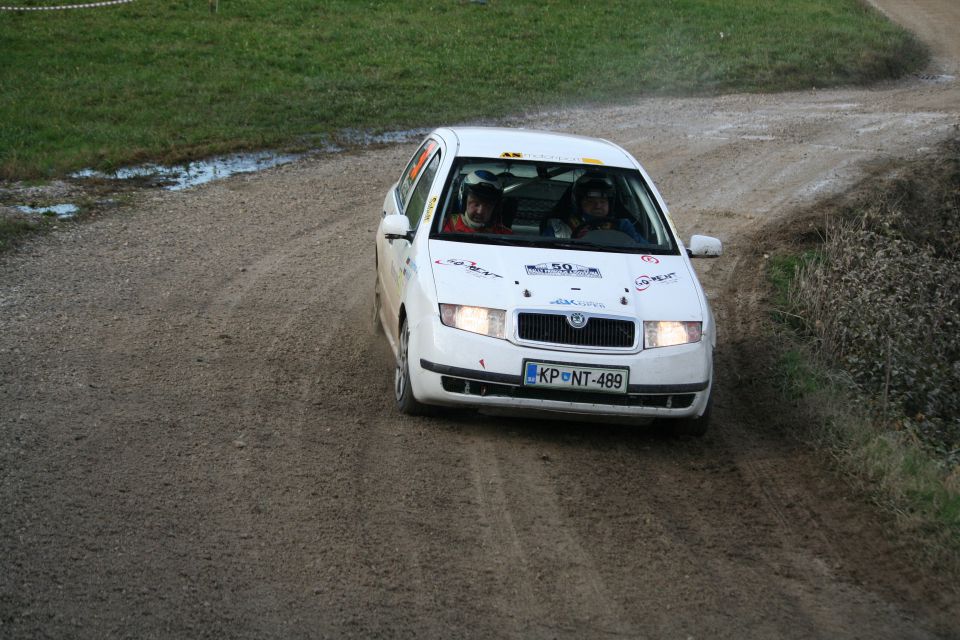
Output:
x,y
375,319
695,426
403,393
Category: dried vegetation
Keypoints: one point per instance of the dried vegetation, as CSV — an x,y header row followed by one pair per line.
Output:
x,y
882,297
879,297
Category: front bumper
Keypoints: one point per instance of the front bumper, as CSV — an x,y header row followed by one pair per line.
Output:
x,y
457,368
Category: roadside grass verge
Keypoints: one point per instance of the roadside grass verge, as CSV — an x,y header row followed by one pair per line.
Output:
x,y
14,229
872,448
170,81
871,343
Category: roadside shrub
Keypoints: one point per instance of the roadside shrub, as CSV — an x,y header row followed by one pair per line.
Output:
x,y
882,296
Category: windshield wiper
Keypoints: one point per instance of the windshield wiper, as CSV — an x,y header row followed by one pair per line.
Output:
x,y
581,245
479,239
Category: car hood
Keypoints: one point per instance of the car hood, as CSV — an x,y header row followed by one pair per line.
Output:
x,y
504,277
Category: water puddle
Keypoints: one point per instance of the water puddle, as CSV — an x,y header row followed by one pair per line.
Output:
x,y
184,176
179,177
62,211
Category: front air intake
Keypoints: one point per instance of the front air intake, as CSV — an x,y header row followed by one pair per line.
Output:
x,y
554,328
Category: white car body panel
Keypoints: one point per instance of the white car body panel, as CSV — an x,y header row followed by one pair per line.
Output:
x,y
654,287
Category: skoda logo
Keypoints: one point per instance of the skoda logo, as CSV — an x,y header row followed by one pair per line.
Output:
x,y
577,320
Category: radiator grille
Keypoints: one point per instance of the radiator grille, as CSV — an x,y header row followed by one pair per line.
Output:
x,y
553,328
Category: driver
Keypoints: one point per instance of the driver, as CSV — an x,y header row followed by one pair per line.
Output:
x,y
593,197
480,194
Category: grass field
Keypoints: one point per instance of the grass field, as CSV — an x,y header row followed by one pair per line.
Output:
x,y
169,80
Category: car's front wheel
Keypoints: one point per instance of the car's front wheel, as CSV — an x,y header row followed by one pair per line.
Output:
x,y
406,402
375,312
696,426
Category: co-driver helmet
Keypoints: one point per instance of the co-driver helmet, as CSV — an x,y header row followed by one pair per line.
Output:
x,y
593,185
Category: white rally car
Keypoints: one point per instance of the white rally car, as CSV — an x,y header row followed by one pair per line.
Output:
x,y
522,272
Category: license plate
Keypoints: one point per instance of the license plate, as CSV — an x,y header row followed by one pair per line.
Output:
x,y
550,375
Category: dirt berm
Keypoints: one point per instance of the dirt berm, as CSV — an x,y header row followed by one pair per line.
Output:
x,y
198,436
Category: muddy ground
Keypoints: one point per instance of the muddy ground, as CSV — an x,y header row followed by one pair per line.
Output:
x,y
198,436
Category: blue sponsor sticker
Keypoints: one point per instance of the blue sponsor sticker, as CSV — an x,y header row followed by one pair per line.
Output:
x,y
578,303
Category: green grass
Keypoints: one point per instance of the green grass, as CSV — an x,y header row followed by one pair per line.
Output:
x,y
169,80
782,269
800,378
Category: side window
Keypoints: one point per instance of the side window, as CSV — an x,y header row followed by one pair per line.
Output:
x,y
413,170
418,198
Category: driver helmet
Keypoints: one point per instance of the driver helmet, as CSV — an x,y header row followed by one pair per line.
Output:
x,y
483,185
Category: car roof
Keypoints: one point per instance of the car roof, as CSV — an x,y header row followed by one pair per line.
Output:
x,y
528,144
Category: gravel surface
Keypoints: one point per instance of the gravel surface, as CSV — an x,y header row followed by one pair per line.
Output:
x,y
198,434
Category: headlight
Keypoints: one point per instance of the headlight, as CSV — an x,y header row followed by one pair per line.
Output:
x,y
488,322
669,333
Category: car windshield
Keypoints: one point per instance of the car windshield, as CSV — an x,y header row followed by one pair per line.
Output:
x,y
573,206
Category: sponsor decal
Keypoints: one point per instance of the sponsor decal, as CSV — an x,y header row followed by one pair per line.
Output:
x,y
642,283
469,266
579,303
423,158
562,269
430,208
483,364
511,154
409,269
650,259
546,156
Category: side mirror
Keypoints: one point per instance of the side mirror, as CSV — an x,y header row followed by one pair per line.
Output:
x,y
396,227
704,247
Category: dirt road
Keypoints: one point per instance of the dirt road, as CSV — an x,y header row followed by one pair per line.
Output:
x,y
198,436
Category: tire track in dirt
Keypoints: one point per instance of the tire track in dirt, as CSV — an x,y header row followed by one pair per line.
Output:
x,y
546,570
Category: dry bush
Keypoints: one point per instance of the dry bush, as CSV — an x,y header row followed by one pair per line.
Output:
x,y
883,298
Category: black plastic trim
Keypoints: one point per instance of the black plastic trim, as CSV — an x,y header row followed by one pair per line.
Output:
x,y
472,374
